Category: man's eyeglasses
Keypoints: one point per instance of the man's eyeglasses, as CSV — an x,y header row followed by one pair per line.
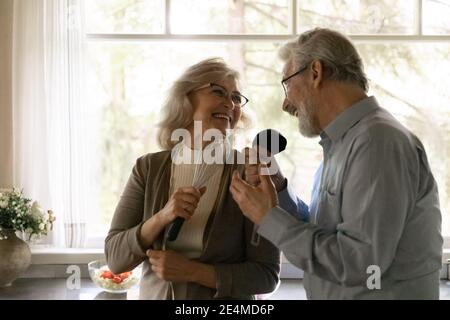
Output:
x,y
284,81
236,97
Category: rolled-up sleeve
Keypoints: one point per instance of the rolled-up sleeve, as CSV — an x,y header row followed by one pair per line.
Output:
x,y
377,194
122,247
258,274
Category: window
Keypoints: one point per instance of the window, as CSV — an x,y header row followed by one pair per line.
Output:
x,y
358,17
435,16
137,48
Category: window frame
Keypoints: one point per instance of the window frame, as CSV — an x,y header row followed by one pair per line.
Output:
x,y
167,35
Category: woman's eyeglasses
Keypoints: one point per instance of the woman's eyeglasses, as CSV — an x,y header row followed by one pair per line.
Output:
x,y
219,91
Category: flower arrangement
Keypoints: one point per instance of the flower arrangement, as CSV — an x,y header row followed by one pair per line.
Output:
x,y
18,213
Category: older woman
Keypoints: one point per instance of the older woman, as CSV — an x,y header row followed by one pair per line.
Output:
x,y
215,254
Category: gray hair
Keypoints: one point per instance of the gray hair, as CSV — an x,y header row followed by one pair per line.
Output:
x,y
338,55
177,109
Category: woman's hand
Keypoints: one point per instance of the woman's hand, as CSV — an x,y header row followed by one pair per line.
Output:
x,y
182,203
171,266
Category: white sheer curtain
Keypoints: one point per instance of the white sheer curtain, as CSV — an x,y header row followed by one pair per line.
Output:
x,y
51,135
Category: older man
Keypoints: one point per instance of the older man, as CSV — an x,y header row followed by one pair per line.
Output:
x,y
373,225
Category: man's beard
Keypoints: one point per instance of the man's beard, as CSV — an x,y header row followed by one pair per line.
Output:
x,y
307,122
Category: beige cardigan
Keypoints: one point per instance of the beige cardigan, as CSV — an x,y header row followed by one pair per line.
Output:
x,y
244,265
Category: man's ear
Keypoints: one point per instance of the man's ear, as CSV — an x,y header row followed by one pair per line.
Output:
x,y
317,73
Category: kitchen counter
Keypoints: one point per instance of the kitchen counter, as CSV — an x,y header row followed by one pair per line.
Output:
x,y
56,289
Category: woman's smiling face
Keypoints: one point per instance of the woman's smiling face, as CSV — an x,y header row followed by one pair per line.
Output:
x,y
214,107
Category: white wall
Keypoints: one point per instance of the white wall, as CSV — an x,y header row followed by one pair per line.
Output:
x,y
6,145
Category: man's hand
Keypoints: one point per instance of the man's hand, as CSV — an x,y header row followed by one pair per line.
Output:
x,y
171,266
254,201
252,171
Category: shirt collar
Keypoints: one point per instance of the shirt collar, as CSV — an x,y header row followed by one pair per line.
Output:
x,y
348,118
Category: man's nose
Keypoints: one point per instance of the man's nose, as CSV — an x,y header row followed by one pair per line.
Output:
x,y
285,105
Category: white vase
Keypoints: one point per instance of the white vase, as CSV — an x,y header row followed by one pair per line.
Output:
x,y
15,258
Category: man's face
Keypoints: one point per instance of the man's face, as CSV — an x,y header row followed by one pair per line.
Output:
x,y
299,102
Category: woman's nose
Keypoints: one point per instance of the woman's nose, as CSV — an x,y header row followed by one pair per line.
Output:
x,y
229,103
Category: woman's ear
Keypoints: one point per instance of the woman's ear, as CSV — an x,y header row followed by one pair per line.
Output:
x,y
190,101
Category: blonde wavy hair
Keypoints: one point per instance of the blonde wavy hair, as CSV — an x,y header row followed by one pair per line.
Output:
x,y
177,111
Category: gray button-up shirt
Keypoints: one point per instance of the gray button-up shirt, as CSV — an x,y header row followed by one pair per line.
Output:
x,y
374,207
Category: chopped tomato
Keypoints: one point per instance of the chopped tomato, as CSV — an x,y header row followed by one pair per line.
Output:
x,y
125,275
107,275
116,278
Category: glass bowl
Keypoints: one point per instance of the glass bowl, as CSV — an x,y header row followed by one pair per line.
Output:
x,y
110,282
